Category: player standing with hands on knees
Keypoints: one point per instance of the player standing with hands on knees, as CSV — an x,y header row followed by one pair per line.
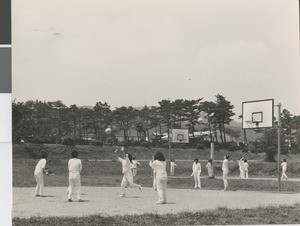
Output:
x,y
75,167
196,173
39,175
160,167
126,160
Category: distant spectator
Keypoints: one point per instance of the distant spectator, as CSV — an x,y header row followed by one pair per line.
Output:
x,y
246,165
210,169
284,168
133,166
241,167
196,173
172,167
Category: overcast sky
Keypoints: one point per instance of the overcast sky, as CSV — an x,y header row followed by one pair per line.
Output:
x,y
140,52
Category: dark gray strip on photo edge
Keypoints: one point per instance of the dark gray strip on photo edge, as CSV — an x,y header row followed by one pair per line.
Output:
x,y
5,46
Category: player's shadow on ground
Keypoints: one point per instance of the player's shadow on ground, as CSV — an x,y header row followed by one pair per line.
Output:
x,y
47,196
133,197
170,203
83,200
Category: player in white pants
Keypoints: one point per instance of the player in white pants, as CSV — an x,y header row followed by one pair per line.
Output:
x,y
160,167
196,173
172,167
246,166
75,167
241,167
284,168
210,169
134,167
127,173
225,169
39,175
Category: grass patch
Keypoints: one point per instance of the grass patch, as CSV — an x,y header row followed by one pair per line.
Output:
x,y
220,216
109,174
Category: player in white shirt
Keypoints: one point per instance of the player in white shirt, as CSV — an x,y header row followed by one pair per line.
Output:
x,y
160,167
127,173
210,169
39,175
196,173
134,167
284,168
241,167
225,169
172,167
246,166
75,167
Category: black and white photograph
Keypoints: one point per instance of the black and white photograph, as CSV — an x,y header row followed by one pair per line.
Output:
x,y
168,112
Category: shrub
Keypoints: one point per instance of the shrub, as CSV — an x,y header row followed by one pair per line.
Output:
x,y
97,143
37,140
183,146
241,144
136,143
206,143
245,149
80,141
123,143
68,142
270,153
164,145
145,144
217,147
200,146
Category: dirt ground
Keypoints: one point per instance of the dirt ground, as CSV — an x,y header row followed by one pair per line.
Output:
x,y
106,201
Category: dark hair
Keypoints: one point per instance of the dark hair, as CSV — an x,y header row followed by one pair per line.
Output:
x,y
245,160
210,160
227,156
130,157
74,154
284,160
44,155
133,158
160,156
196,160
172,160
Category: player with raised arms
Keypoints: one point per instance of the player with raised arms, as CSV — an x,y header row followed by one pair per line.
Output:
x,y
126,160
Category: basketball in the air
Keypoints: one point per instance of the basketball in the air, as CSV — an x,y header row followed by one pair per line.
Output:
x,y
108,131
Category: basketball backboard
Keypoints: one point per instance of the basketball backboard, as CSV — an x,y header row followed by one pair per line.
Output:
x,y
258,114
180,136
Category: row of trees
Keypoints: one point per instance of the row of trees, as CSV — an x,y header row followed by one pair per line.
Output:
x,y
55,121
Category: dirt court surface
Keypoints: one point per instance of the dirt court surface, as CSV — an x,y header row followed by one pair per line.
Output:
x,y
106,201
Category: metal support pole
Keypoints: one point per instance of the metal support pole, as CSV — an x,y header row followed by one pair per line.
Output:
x,y
212,157
170,141
279,144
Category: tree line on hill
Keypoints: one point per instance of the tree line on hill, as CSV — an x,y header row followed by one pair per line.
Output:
x,y
52,122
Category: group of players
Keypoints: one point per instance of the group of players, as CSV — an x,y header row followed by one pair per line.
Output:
x,y
129,170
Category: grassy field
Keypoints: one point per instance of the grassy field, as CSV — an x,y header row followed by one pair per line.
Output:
x,y
220,216
108,173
